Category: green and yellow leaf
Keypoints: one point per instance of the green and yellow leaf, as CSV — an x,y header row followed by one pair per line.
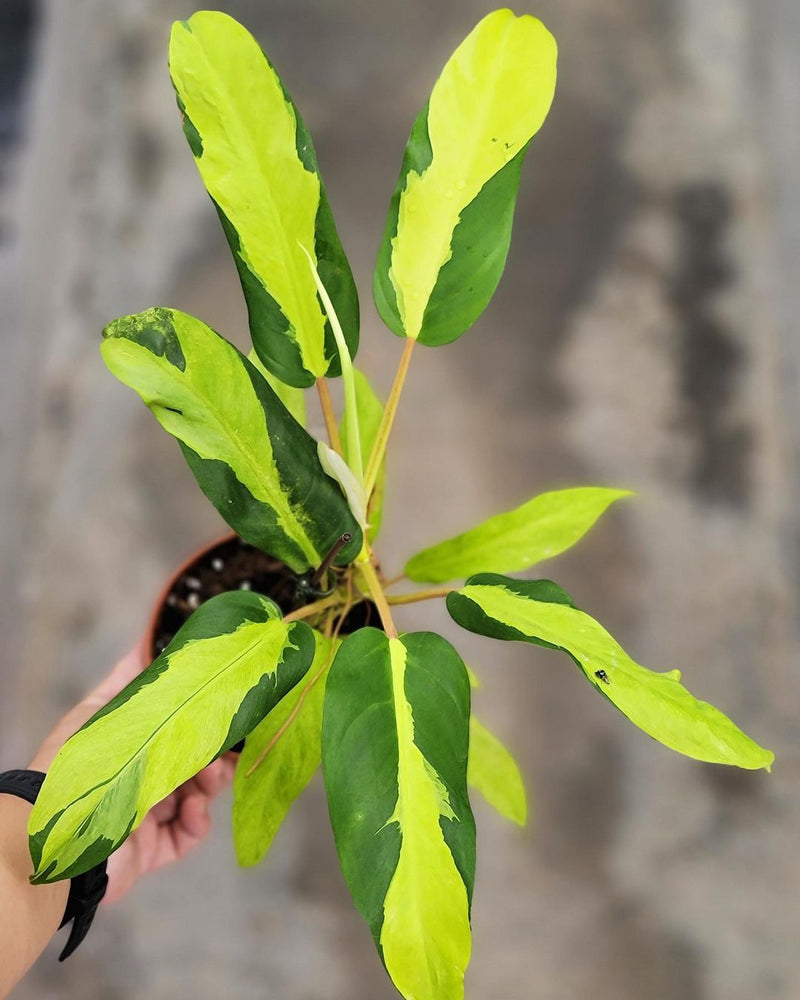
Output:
x,y
509,543
292,398
257,162
291,734
252,459
449,224
540,612
395,741
225,669
495,774
474,680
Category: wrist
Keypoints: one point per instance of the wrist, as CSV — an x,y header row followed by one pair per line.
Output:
x,y
34,911
85,890
14,854
40,761
44,902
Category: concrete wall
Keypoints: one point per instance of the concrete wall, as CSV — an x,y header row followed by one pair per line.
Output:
x,y
644,335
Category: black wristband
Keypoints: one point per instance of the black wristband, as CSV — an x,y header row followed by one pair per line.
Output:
x,y
86,890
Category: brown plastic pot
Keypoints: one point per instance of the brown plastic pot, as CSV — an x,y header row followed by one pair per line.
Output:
x,y
243,567
148,640
259,572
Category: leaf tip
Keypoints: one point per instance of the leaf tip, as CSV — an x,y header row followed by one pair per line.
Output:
x,y
42,873
176,34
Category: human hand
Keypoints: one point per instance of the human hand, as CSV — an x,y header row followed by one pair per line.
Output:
x,y
173,827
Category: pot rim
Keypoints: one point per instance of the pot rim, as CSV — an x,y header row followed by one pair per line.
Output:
x,y
145,646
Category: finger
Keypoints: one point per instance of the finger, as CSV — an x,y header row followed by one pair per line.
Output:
x,y
155,845
130,861
166,810
194,817
191,825
212,779
150,847
209,782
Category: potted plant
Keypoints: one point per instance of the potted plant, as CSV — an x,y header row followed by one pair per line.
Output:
x,y
282,635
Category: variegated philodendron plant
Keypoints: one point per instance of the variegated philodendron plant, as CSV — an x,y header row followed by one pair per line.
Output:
x,y
387,715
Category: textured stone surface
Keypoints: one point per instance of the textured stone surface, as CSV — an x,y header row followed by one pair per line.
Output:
x,y
644,336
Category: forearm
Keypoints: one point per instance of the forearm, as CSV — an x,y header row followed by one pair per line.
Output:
x,y
29,914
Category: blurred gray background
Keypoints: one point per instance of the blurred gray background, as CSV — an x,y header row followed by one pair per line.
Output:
x,y
644,335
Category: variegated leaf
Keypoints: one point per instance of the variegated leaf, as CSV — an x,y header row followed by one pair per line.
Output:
x,y
495,774
292,398
540,612
257,162
252,459
508,543
394,754
449,224
225,669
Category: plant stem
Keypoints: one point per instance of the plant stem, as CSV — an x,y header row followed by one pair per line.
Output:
x,y
378,596
330,417
312,609
394,579
389,412
419,595
319,577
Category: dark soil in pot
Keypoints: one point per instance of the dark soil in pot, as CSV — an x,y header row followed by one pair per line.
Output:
x,y
233,564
